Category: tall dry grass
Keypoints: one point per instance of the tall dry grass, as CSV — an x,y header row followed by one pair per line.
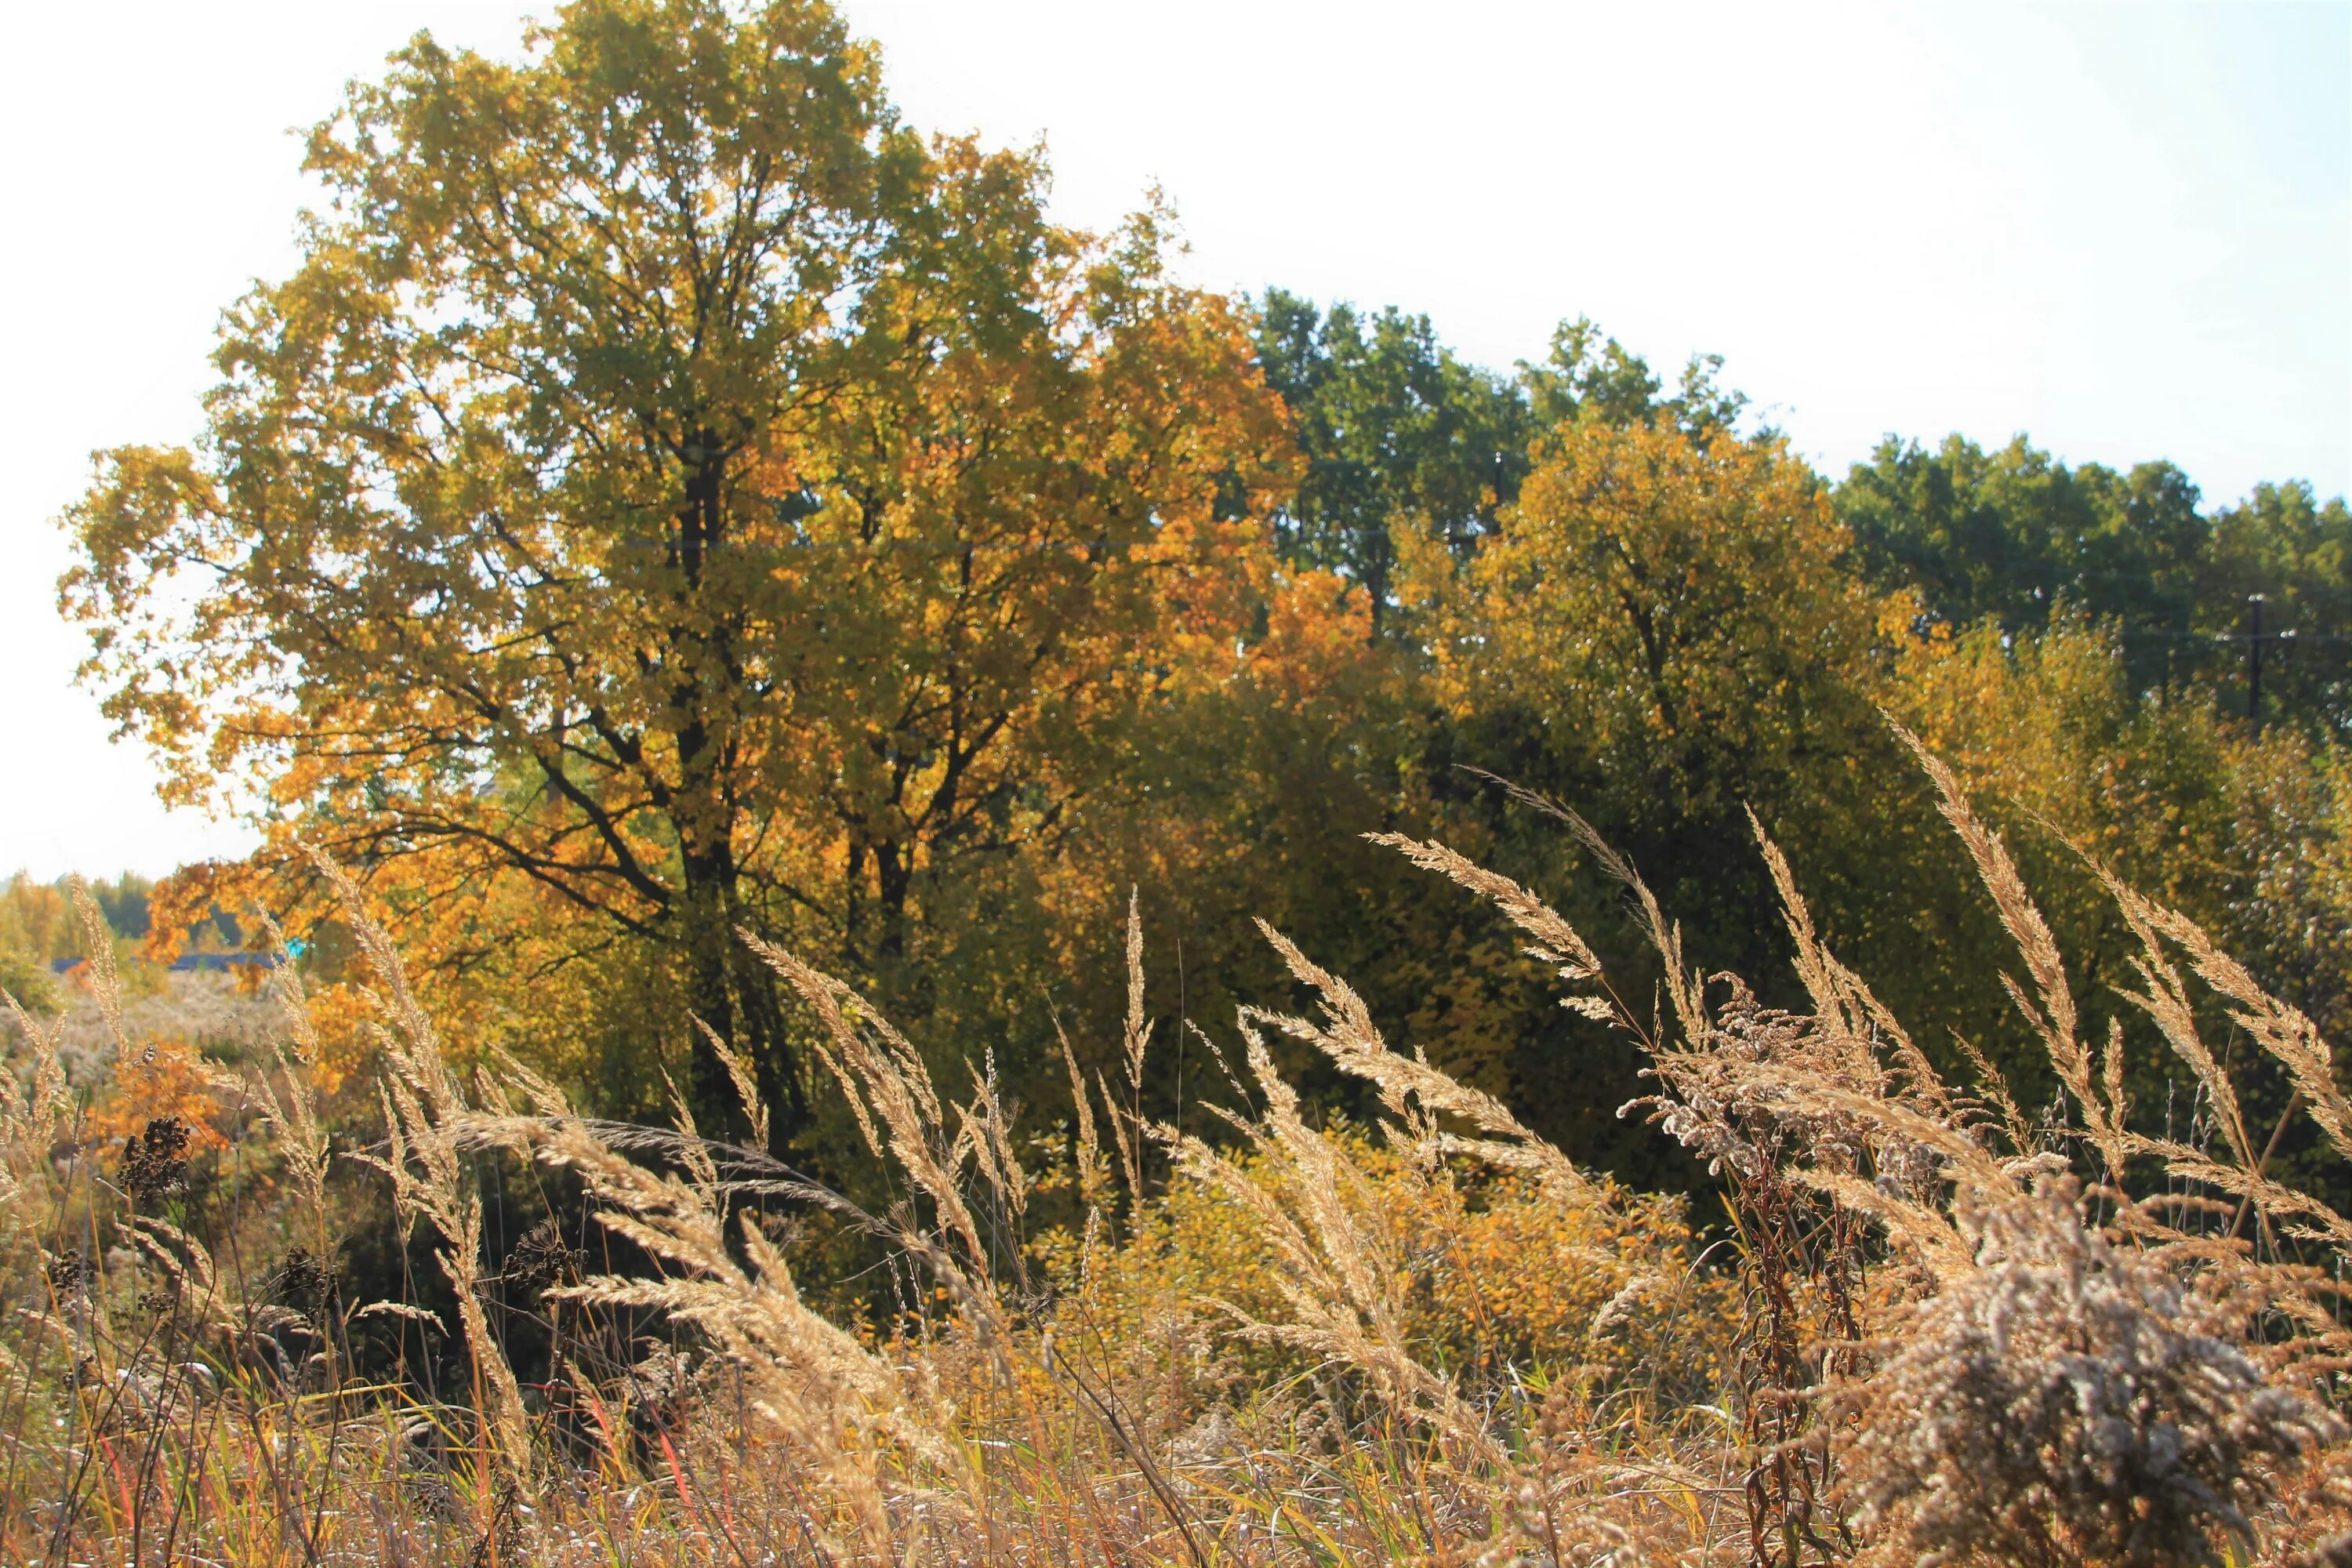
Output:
x,y
1936,1329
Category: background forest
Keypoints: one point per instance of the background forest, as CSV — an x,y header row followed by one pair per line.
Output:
x,y
674,502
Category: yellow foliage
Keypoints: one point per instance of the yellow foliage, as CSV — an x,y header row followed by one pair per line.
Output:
x,y
339,1012
1499,1279
1689,586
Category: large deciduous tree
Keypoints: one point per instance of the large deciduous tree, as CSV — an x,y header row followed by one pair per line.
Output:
x,y
1675,597
668,479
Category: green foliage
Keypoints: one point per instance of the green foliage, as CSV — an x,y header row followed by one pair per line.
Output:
x,y
1590,376
25,977
37,928
2011,536
2282,543
1397,432
124,904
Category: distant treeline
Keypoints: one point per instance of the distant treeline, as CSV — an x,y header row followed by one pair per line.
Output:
x,y
39,931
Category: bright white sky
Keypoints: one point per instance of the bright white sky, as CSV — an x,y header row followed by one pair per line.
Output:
x,y
2124,229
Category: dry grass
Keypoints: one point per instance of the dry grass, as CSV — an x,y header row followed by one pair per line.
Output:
x,y
1939,1332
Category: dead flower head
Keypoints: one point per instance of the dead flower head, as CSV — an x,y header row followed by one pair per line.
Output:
x,y
2070,1401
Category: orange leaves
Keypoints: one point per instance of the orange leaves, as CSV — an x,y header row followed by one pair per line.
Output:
x,y
339,1012
1317,640
186,899
161,1077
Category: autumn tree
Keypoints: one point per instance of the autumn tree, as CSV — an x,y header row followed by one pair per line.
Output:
x,y
1681,597
668,479
1659,632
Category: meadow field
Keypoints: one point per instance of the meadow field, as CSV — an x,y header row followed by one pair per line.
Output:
x,y
918,893
1432,1337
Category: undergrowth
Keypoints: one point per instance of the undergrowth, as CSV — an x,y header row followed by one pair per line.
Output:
x,y
1937,1328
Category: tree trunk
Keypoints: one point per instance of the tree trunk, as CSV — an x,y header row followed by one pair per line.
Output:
x,y
895,875
706,934
728,986
730,989
762,1036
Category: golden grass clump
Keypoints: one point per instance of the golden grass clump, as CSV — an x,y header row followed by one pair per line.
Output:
x,y
1930,1329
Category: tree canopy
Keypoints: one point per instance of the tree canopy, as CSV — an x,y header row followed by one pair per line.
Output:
x,y
2016,537
669,480
1397,434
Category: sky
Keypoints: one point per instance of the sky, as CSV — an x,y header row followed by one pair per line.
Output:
x,y
2123,229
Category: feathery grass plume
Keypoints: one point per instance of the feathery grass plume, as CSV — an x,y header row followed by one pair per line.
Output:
x,y
1557,942
883,1074
1412,1090
1993,1089
986,1131
1909,1471
1819,1144
739,1073
1421,1098
426,1120
1130,1153
2299,1296
98,952
2278,1028
1340,1260
2054,1020
1137,1035
839,1405
290,1112
1859,1023
1884,1137
1126,1125
2166,1000
32,1113
2281,1030
1684,986
693,1153
2069,1402
1321,1219
1094,1173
